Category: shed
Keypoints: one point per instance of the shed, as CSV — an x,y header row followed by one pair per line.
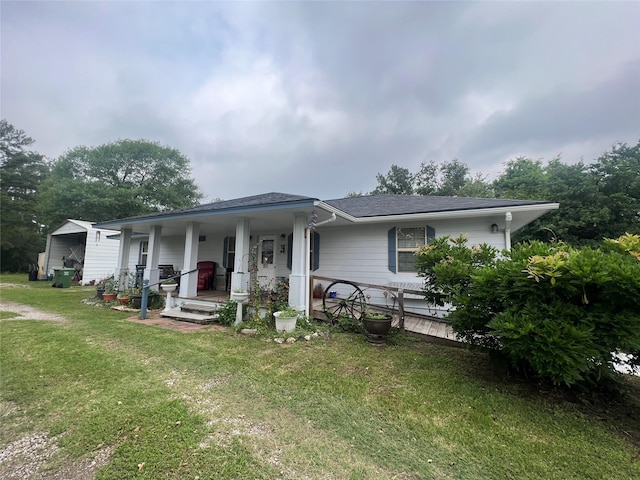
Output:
x,y
77,244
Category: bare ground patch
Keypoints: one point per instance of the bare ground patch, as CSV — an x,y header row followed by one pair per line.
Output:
x,y
25,312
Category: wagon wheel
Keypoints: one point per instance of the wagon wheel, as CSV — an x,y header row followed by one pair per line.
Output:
x,y
349,301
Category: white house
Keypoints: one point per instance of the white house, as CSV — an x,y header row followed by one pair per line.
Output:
x,y
367,239
80,245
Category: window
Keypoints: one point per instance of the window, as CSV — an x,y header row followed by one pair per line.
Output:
x,y
229,254
404,242
144,250
409,240
314,251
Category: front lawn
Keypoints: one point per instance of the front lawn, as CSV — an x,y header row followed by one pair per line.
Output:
x,y
155,403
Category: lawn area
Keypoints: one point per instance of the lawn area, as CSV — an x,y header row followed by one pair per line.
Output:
x,y
147,402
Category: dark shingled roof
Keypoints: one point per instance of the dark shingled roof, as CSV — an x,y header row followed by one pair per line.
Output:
x,y
379,205
270,199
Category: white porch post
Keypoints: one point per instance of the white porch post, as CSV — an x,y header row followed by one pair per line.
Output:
x,y
240,277
152,273
299,255
123,257
189,283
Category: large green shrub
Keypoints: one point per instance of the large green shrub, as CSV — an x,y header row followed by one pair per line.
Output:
x,y
551,309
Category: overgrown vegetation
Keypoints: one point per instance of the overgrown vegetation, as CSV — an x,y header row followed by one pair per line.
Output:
x,y
554,311
219,405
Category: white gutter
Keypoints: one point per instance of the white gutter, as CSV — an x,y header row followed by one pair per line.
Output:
x,y
447,214
507,230
307,234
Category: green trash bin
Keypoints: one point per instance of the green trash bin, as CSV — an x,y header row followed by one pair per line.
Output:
x,y
62,277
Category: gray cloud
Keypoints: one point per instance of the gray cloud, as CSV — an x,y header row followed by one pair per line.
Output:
x,y
317,97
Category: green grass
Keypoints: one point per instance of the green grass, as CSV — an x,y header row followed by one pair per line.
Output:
x,y
216,404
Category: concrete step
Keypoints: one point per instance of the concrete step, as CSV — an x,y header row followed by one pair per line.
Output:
x,y
199,309
182,316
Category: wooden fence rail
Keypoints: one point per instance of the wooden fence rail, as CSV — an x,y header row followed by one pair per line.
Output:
x,y
395,291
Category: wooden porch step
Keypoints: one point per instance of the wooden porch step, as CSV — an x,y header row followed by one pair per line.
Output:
x,y
199,309
178,314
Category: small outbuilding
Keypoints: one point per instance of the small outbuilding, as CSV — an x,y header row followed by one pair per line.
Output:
x,y
91,252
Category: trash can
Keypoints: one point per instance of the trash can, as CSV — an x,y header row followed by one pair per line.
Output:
x,y
62,277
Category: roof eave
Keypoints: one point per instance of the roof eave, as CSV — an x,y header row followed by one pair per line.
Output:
x,y
467,213
152,219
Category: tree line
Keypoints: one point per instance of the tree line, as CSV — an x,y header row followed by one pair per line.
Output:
x,y
597,200
116,180
135,177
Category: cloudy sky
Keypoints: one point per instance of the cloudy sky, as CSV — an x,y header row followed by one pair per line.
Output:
x,y
317,98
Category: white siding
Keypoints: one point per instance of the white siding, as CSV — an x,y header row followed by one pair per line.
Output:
x,y
360,253
101,255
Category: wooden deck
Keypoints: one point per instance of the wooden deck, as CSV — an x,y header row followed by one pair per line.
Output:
x,y
431,328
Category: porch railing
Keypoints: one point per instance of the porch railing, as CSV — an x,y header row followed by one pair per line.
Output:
x,y
397,292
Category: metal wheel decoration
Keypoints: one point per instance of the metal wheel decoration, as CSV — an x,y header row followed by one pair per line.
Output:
x,y
343,299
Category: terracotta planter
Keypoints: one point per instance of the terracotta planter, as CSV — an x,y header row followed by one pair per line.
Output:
x,y
109,297
123,300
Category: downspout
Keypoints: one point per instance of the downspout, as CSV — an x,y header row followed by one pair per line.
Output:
x,y
311,228
507,230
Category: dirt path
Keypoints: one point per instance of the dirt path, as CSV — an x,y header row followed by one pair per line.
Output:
x,y
25,312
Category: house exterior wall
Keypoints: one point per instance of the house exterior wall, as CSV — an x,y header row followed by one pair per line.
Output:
x,y
359,253
100,255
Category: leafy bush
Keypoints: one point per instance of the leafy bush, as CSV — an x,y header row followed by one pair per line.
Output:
x,y
551,309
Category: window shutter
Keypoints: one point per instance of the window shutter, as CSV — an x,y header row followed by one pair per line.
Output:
x,y
392,250
225,251
316,251
289,251
431,234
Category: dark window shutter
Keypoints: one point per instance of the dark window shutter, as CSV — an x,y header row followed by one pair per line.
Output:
x,y
392,250
225,251
431,234
316,251
289,251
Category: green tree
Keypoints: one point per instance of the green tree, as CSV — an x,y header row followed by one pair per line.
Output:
x,y
22,172
597,201
617,174
450,178
117,180
399,181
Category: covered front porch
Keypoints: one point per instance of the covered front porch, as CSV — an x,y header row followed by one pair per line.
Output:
x,y
256,244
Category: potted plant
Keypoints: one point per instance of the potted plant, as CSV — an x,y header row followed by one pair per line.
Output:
x,y
169,286
100,289
286,319
110,289
123,298
377,324
317,290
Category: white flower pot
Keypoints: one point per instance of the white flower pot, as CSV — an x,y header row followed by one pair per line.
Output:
x,y
285,324
171,287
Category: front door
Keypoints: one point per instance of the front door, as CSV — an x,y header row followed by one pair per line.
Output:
x,y
266,262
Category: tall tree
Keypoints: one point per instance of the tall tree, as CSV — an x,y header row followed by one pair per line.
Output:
x,y
598,201
117,180
449,179
617,174
22,171
399,181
